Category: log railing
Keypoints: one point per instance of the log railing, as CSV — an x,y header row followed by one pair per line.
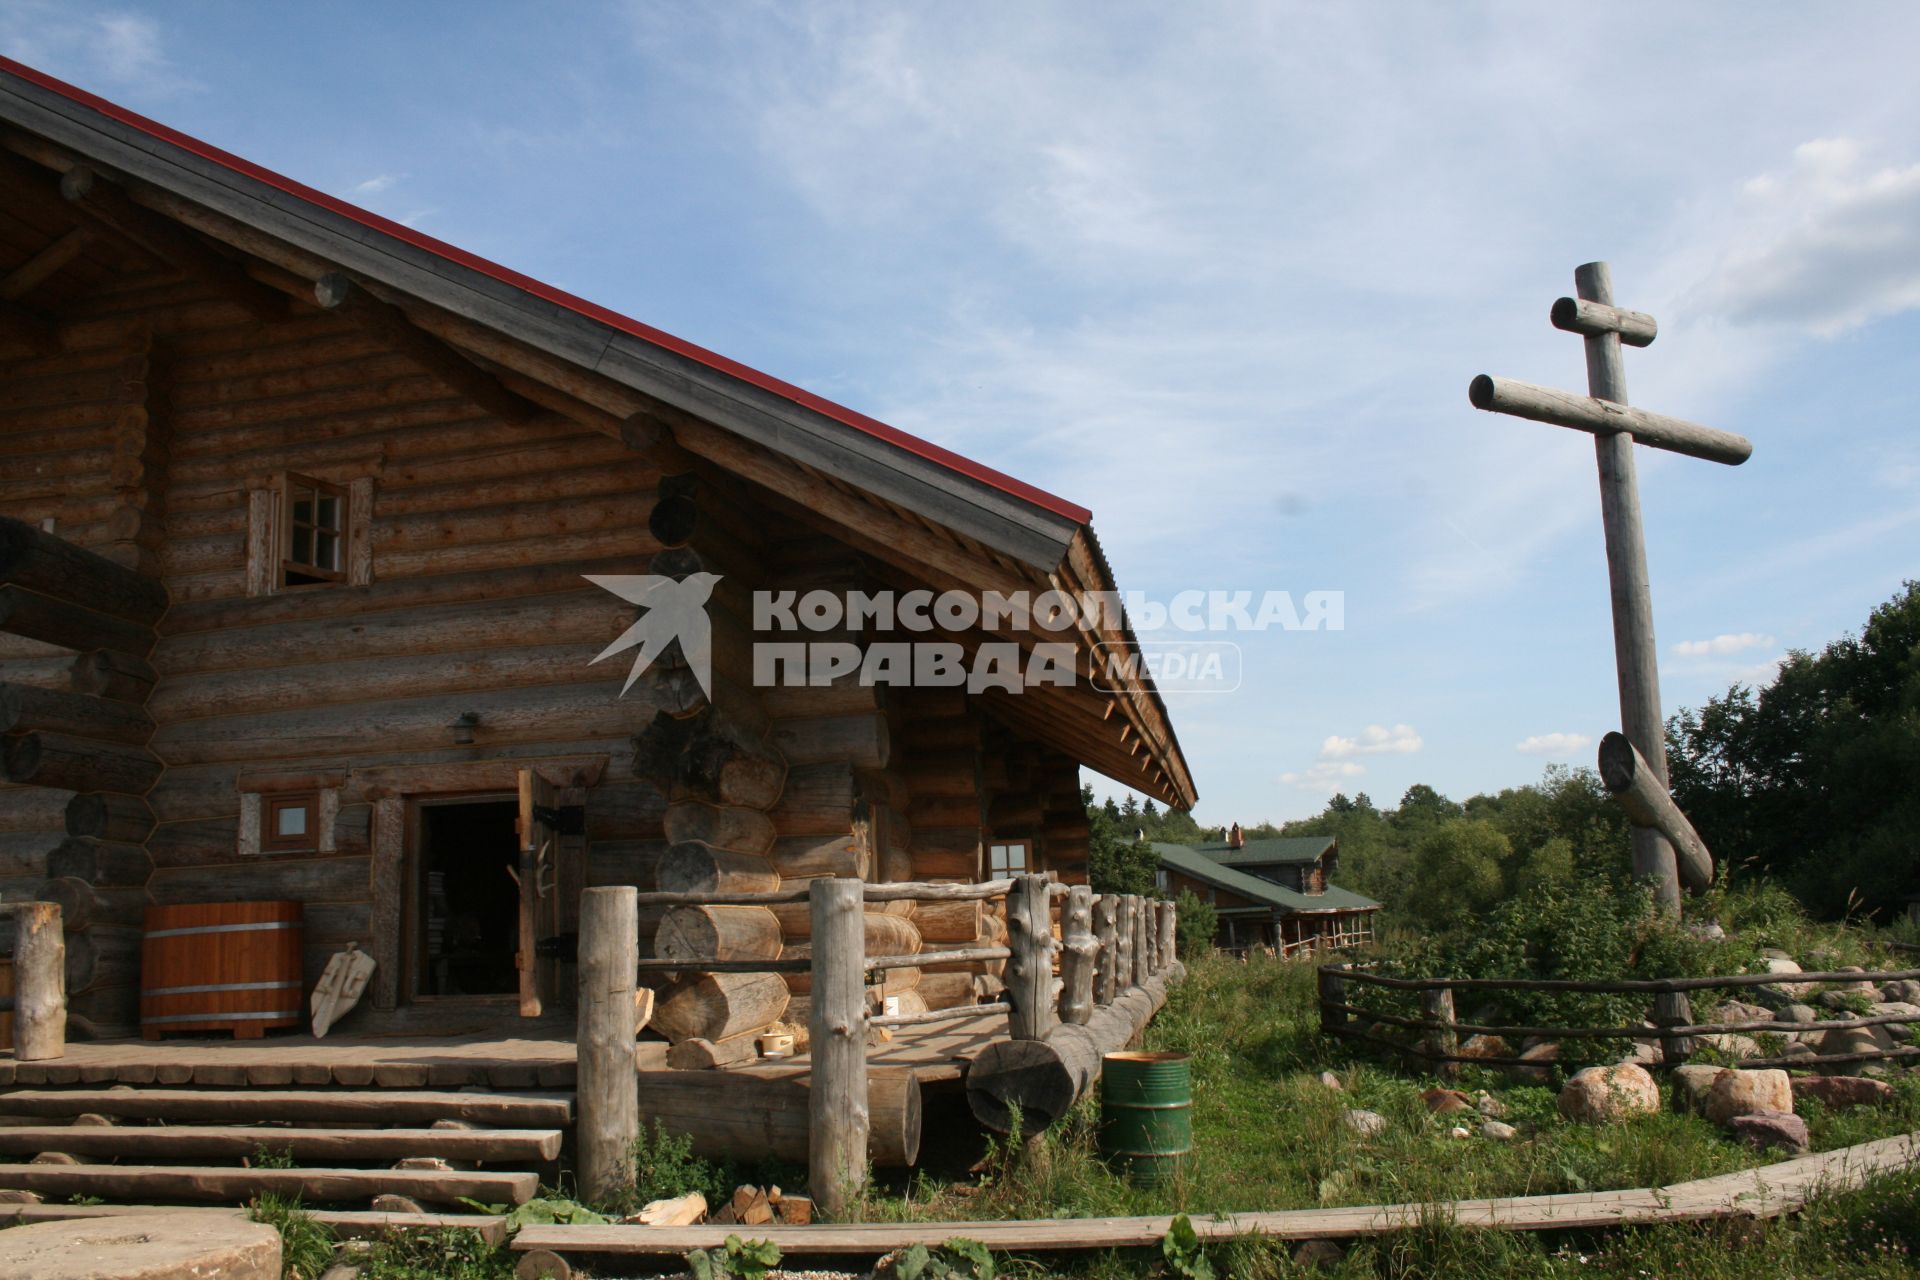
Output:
x,y
1110,948
39,1000
1439,1029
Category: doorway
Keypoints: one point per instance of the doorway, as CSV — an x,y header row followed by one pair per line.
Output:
x,y
466,912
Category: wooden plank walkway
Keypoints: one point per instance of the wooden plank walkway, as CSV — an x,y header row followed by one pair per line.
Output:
x,y
1754,1193
348,1224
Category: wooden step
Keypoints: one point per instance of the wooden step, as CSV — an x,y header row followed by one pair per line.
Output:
x,y
333,1106
348,1224
169,1182
171,1143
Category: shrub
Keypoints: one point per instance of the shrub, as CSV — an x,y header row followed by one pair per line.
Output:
x,y
306,1244
1196,923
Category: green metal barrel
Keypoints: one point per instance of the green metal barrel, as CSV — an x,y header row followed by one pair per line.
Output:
x,y
1146,1114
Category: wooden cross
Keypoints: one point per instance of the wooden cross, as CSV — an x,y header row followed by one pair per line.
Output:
x,y
1603,411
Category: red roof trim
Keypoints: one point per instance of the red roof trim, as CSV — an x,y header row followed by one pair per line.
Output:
x,y
612,319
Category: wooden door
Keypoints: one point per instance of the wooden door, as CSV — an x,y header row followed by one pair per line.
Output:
x,y
538,874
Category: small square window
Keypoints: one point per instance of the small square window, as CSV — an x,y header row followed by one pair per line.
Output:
x,y
313,528
1009,859
288,823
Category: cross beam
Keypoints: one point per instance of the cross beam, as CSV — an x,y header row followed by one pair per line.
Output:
x,y
1615,428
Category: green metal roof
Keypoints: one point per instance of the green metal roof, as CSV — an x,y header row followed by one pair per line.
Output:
x,y
1270,852
1199,865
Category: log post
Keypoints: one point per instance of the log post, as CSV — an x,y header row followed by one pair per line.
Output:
x,y
1142,940
1123,962
837,1115
608,1113
1169,935
1332,986
1106,930
1079,956
1437,1004
1630,779
1673,1009
1030,970
40,982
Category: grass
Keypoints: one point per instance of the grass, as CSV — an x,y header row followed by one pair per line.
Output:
x,y
306,1245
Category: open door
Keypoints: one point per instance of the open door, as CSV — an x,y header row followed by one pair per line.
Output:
x,y
538,874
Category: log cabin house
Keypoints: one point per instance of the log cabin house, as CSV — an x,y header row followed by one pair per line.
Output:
x,y
1276,893
299,510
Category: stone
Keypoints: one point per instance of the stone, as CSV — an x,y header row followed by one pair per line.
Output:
x,y
1798,1049
1498,1131
1771,1131
1832,1044
1773,996
1733,1011
1709,929
1905,990
1729,1045
1644,1053
92,1120
9,1195
55,1157
177,1245
1485,1047
1459,1131
1332,1081
1895,1009
1488,1105
1844,1091
1540,1058
1444,1102
1324,1254
430,1164
1797,1013
389,1203
1745,1093
1602,1095
1692,1082
1780,963
1366,1123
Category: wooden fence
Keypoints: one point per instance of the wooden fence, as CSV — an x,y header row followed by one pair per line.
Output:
x,y
1109,945
1438,1041
39,1000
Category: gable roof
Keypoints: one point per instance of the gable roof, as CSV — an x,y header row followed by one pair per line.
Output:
x,y
1274,851
958,522
1193,863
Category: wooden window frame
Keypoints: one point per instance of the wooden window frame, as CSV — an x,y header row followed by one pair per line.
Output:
x,y
1026,858
341,530
271,805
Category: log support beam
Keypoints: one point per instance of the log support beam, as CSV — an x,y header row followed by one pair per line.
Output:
x,y
839,1121
1632,781
608,1116
337,294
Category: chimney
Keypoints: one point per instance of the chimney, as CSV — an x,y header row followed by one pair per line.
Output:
x,y
1236,839
1139,835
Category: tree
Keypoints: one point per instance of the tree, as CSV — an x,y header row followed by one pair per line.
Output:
x,y
1116,862
1196,923
1460,870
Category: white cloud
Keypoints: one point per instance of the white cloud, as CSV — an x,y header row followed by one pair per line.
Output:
x,y
122,50
376,184
1325,777
1374,740
1557,745
1829,243
1721,645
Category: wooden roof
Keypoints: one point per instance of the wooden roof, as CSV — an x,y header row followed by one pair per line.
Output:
x,y
96,193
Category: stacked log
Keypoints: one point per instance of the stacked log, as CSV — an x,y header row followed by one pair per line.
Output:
x,y
85,745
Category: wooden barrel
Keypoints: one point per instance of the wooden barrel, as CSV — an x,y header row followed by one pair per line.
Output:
x,y
221,966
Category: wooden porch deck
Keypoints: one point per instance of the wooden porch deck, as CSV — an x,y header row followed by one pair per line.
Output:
x,y
530,1054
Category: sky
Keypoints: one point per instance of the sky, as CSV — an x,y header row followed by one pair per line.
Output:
x,y
1221,272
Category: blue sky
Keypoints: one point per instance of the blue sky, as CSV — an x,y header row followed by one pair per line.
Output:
x,y
1220,272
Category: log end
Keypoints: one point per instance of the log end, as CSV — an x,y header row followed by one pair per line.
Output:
x,y
1616,762
1480,391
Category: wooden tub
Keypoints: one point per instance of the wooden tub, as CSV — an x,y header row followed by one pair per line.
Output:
x,y
221,966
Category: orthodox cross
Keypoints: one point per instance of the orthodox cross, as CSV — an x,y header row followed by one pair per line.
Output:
x,y
1634,767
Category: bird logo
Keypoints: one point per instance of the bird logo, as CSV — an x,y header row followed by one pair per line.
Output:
x,y
676,609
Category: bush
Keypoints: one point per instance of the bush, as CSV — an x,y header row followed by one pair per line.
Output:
x,y
306,1244
1196,924
447,1254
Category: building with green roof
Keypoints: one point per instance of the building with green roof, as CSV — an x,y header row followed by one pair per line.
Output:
x,y
1274,893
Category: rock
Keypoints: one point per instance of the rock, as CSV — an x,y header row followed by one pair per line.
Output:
x,y
1798,1049
1326,1254
1709,929
1771,1130
1745,1093
389,1203
1366,1123
1459,1131
1905,990
1772,996
142,1246
1332,1081
430,1164
55,1157
1797,1013
1692,1083
92,1120
1730,1045
1643,1053
1488,1105
1832,1044
1600,1095
10,1196
1779,963
1844,1091
1733,1011
1895,1009
1485,1047
1444,1102
1498,1131
1544,1055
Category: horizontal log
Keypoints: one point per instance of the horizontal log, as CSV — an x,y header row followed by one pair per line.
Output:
x,y
714,1006
83,905
722,826
859,740
154,1182
173,1143
1597,319
54,567
79,764
810,857
818,799
302,879
24,708
106,816
100,862
32,809
1622,986
106,673
741,1116
717,933
694,868
954,921
1631,781
1603,417
330,1106
69,625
